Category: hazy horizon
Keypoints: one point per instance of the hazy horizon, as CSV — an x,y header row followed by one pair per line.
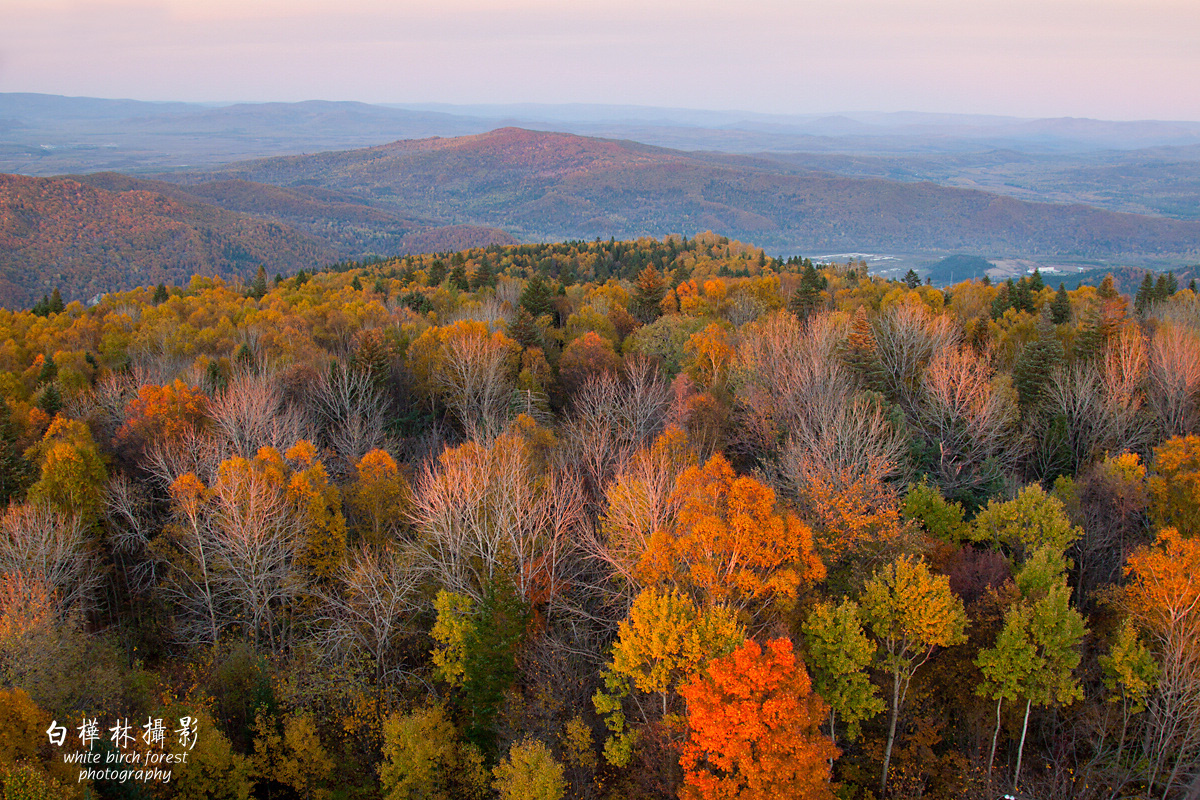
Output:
x,y
1065,58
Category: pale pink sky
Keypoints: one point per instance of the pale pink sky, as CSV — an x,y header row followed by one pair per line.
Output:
x,y
1110,59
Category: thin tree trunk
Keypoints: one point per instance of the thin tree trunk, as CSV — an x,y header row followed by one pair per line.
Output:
x,y
995,736
1021,749
887,753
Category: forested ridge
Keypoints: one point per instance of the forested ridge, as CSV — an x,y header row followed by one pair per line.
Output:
x,y
608,519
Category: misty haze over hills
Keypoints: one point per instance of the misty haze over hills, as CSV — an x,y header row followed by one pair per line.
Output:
x,y
348,179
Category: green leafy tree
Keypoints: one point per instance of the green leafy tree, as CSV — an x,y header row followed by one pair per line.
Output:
x,y
1036,651
1130,674
839,654
911,612
1031,520
942,519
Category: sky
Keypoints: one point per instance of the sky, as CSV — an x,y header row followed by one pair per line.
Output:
x,y
1105,59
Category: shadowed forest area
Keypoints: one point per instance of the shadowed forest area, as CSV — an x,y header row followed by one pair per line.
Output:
x,y
641,519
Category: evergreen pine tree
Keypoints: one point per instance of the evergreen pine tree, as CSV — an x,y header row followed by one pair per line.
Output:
x,y
1060,307
437,272
16,472
1036,363
911,279
648,292
356,284
483,274
161,294
1108,288
1022,297
56,301
458,277
258,289
538,297
524,330
48,372
1036,284
1003,300
1144,296
808,295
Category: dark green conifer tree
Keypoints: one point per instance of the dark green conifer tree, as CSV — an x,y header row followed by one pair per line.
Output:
x,y
1036,284
538,297
56,301
258,289
437,272
808,294
1003,300
16,472
524,330
1144,296
1035,364
911,279
458,277
1060,307
483,274
161,294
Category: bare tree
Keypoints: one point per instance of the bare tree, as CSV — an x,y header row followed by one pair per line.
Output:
x,y
43,545
481,510
352,412
785,374
127,510
251,413
611,417
907,338
231,556
371,607
967,418
475,377
1174,390
1102,404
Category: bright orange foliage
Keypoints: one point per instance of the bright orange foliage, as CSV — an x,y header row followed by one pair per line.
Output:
x,y
755,733
728,543
163,412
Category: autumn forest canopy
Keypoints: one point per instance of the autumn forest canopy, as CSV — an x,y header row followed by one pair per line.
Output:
x,y
607,519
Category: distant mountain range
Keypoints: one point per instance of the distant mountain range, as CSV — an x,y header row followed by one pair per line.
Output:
x,y
539,185
1150,167
158,197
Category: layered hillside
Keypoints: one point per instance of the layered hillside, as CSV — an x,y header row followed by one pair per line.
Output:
x,y
87,240
553,185
87,235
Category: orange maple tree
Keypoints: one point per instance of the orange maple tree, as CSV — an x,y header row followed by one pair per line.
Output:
x,y
729,545
754,729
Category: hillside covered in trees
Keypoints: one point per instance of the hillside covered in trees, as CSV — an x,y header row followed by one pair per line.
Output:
x,y
538,185
609,519
90,234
